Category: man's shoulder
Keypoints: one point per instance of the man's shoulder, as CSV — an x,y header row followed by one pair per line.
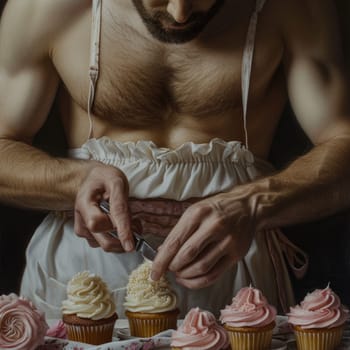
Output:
x,y
47,11
31,25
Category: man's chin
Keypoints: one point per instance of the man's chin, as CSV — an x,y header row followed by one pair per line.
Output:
x,y
175,34
170,38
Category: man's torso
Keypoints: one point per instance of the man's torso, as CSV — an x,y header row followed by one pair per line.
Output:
x,y
170,93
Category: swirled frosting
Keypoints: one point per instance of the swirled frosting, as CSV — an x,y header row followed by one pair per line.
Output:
x,y
58,330
146,295
320,309
200,330
22,325
249,308
88,297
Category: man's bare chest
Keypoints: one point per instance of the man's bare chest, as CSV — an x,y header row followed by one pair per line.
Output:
x,y
141,81
161,84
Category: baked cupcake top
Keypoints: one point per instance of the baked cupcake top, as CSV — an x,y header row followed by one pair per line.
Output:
x,y
88,297
145,295
200,330
320,309
22,325
249,308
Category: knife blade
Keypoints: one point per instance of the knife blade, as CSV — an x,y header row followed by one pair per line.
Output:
x,y
141,245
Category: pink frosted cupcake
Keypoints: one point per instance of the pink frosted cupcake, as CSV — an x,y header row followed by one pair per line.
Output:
x,y
249,320
58,330
319,320
22,325
199,331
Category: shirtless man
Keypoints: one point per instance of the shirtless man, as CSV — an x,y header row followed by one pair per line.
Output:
x,y
167,129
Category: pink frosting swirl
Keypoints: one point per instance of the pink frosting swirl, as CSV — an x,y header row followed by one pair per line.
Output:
x,y
249,308
22,325
200,330
320,309
58,330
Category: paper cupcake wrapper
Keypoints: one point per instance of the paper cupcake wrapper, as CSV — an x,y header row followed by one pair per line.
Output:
x,y
146,327
255,340
92,334
319,339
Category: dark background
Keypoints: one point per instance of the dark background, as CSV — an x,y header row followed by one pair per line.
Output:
x,y
327,241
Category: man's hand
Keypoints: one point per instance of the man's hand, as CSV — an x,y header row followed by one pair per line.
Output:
x,y
211,236
109,183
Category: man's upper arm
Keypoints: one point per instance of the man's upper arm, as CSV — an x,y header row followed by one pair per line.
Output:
x,y
316,79
28,80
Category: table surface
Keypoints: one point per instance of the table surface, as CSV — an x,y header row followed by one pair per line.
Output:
x,y
283,339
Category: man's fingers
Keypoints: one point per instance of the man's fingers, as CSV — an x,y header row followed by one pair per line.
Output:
x,y
105,182
207,279
120,214
91,216
205,261
193,247
92,242
103,240
98,221
172,244
211,229
81,230
107,242
79,226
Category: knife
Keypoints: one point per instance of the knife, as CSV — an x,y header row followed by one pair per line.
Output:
x,y
141,245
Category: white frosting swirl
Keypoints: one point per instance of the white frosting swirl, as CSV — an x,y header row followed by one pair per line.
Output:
x,y
146,295
88,297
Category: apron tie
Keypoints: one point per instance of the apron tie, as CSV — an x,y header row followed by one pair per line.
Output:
x,y
280,248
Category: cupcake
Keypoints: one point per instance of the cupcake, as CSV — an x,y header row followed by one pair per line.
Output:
x,y
22,325
57,330
150,306
249,320
199,331
318,321
89,311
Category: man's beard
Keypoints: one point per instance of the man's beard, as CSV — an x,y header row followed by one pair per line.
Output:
x,y
161,24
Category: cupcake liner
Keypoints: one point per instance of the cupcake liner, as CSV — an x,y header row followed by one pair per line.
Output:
x,y
95,335
250,338
318,339
89,331
146,325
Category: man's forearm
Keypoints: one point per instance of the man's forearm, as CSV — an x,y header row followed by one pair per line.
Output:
x,y
313,186
31,178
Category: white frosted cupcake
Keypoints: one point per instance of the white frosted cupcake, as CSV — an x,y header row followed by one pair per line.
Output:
x,y
150,305
89,311
318,321
249,320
